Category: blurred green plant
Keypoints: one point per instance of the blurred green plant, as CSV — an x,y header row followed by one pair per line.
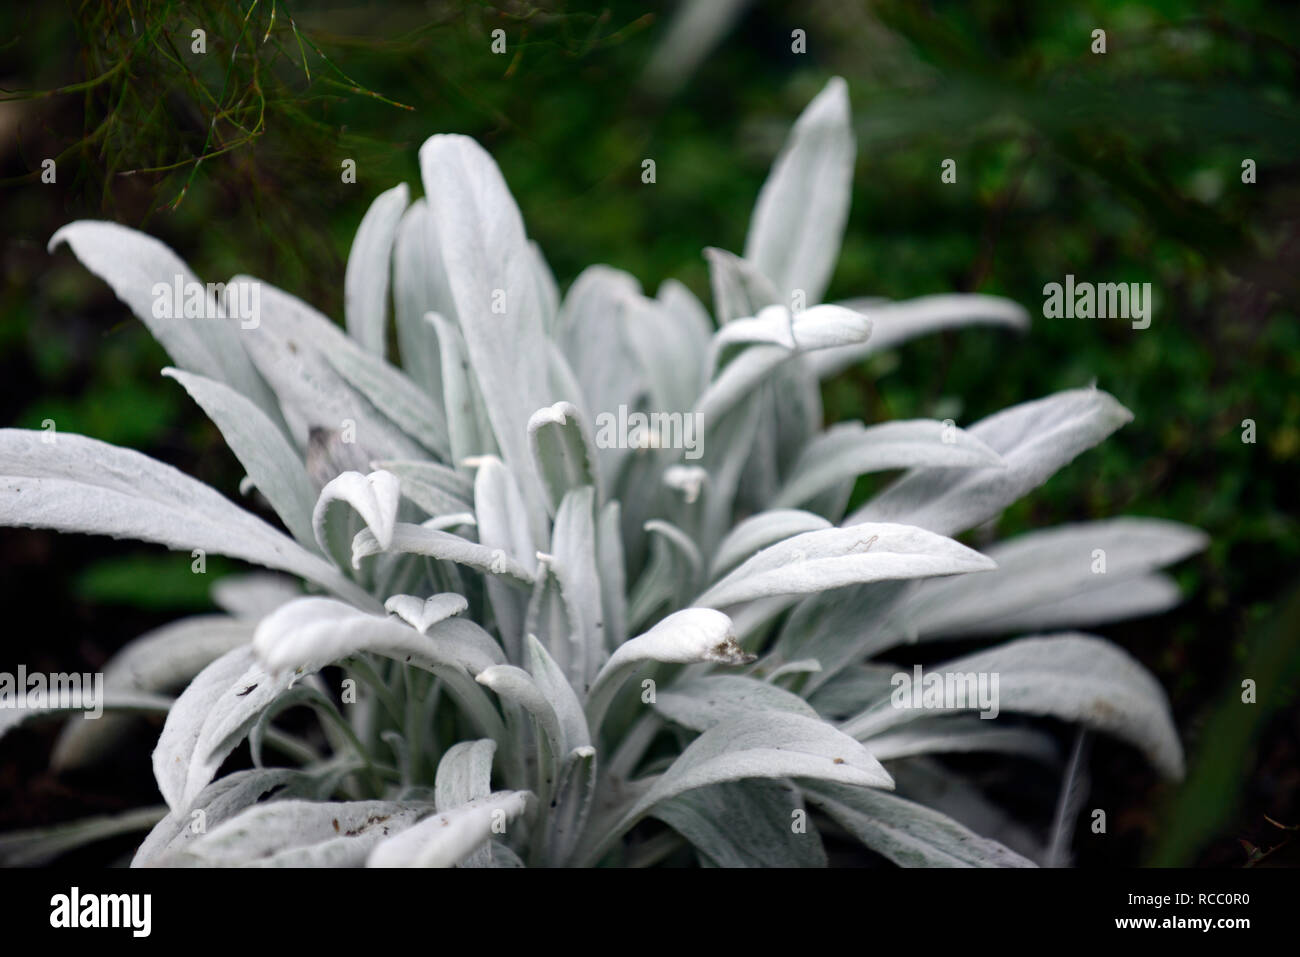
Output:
x,y
1211,797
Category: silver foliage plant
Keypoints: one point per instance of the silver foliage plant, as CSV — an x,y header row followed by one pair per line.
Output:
x,y
548,639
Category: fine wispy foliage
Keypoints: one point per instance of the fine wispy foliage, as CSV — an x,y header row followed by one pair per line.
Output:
x,y
557,641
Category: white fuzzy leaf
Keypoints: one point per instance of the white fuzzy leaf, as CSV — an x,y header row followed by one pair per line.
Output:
x,y
255,594
419,540
1045,567
324,379
801,667
841,627
797,414
365,281
437,489
574,796
208,721
667,580
739,288
613,575
419,286
745,824
132,263
563,380
819,327
501,513
726,448
553,684
761,476
464,773
274,466
310,633
490,271
159,660
446,838
219,801
759,531
897,322
1034,439
757,363
563,450
374,497
506,529
700,703
548,617
674,573
468,430
963,734
403,402
1120,601
846,451
684,637
767,745
548,291
304,833
690,319
663,344
933,785
830,558
909,834
573,543
592,332
1076,678
1038,569
169,656
794,236
687,480
517,686
77,484
423,613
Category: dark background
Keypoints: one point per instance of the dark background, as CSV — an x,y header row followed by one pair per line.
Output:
x,y
1122,167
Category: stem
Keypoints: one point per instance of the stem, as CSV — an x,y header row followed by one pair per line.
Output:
x,y
292,747
633,745
654,850
365,670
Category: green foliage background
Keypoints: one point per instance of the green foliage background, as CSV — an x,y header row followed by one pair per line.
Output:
x,y
1117,167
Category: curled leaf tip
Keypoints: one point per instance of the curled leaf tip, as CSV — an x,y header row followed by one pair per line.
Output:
x,y
689,480
557,414
729,652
